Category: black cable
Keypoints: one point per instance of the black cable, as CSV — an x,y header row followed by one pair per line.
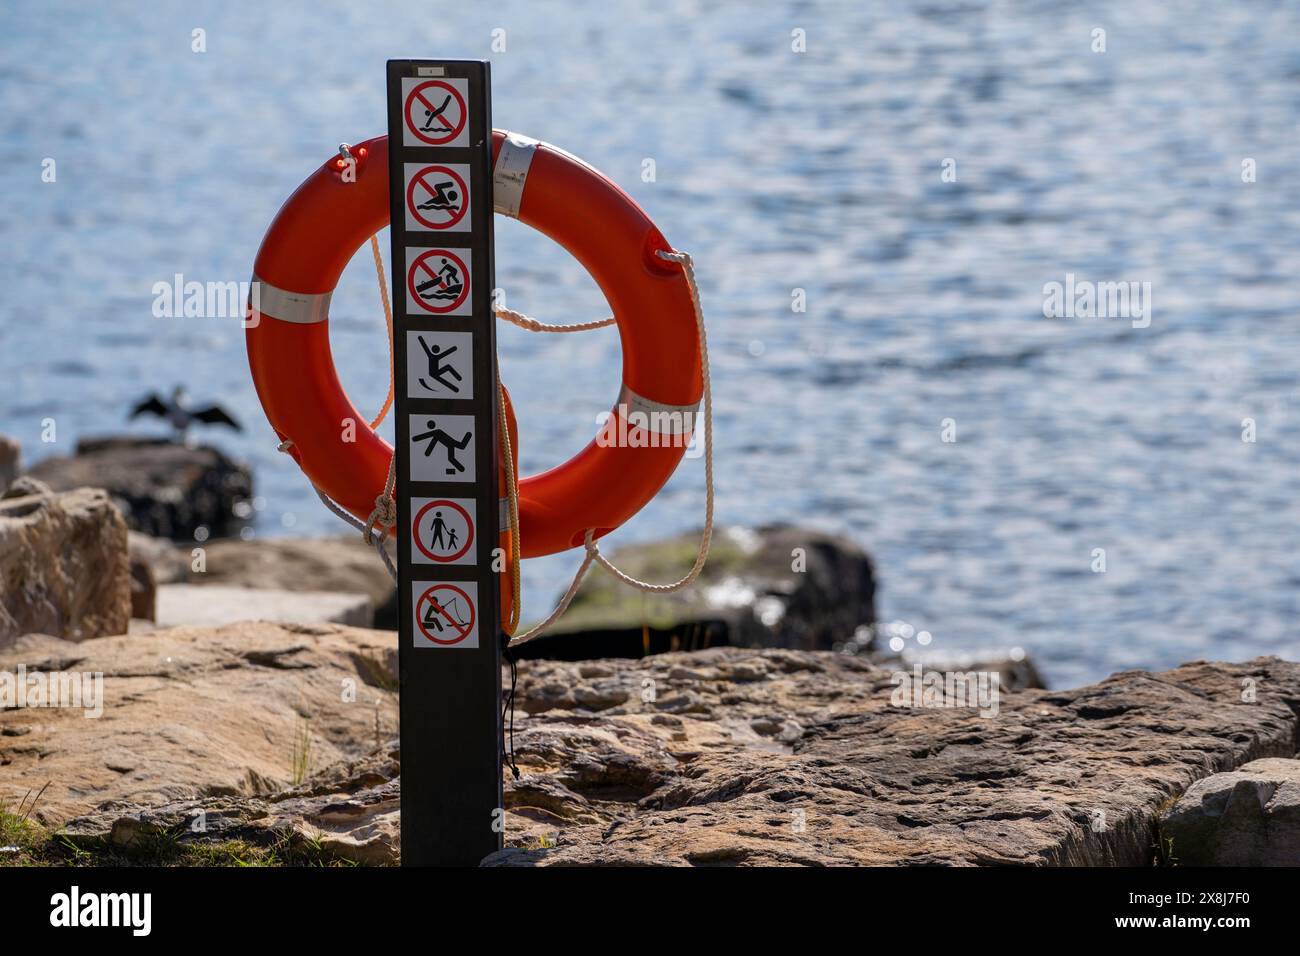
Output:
x,y
508,756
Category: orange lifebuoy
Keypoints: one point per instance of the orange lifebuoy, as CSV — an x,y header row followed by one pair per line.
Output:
x,y
331,215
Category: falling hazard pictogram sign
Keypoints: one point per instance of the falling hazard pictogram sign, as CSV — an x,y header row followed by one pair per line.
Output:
x,y
437,197
434,112
442,530
438,281
443,449
445,613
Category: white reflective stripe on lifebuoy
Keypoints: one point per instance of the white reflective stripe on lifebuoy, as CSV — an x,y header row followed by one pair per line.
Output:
x,y
273,302
656,416
511,172
503,514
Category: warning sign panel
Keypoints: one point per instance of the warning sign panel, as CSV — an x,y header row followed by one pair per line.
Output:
x,y
437,197
440,364
442,530
434,112
445,613
438,281
442,447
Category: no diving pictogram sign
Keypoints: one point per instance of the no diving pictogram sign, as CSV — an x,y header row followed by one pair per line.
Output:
x,y
438,281
442,530
437,197
445,614
434,112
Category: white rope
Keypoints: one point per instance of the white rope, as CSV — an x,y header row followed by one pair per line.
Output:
x,y
593,550
532,325
365,529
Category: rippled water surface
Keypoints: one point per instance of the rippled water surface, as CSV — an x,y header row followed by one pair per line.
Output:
x,y
817,171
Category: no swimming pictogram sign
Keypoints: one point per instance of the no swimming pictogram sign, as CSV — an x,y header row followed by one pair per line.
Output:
x,y
437,197
434,112
445,613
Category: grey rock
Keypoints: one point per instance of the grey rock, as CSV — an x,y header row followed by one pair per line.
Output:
x,y
163,488
25,486
11,459
1247,817
144,590
64,566
770,587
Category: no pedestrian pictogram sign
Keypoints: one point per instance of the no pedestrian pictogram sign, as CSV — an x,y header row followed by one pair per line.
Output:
x,y
434,112
437,197
442,530
446,614
438,281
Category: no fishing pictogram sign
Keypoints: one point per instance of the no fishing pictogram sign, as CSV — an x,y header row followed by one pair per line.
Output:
x,y
442,530
438,281
437,197
445,613
434,112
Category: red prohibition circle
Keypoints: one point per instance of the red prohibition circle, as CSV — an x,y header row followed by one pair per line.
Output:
x,y
418,262
469,533
419,618
418,92
419,178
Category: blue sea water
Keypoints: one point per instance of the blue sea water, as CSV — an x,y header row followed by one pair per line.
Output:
x,y
780,170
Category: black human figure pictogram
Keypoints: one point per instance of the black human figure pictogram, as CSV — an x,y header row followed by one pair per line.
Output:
x,y
436,436
445,285
437,528
438,367
444,197
436,114
435,614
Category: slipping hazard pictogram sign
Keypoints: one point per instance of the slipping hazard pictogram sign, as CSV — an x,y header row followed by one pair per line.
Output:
x,y
445,613
437,197
434,112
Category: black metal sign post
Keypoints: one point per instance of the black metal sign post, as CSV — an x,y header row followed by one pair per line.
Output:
x,y
444,343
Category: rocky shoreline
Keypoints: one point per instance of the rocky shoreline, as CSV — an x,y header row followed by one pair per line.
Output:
x,y
759,721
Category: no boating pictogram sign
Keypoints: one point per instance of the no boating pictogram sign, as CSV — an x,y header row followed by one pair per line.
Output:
x,y
445,613
442,530
434,112
437,197
438,281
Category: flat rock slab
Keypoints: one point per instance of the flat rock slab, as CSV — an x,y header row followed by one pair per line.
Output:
x,y
351,812
214,605
296,564
726,756
733,757
1247,817
243,710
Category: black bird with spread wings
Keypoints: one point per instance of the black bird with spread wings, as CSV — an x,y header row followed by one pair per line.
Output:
x,y
181,414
